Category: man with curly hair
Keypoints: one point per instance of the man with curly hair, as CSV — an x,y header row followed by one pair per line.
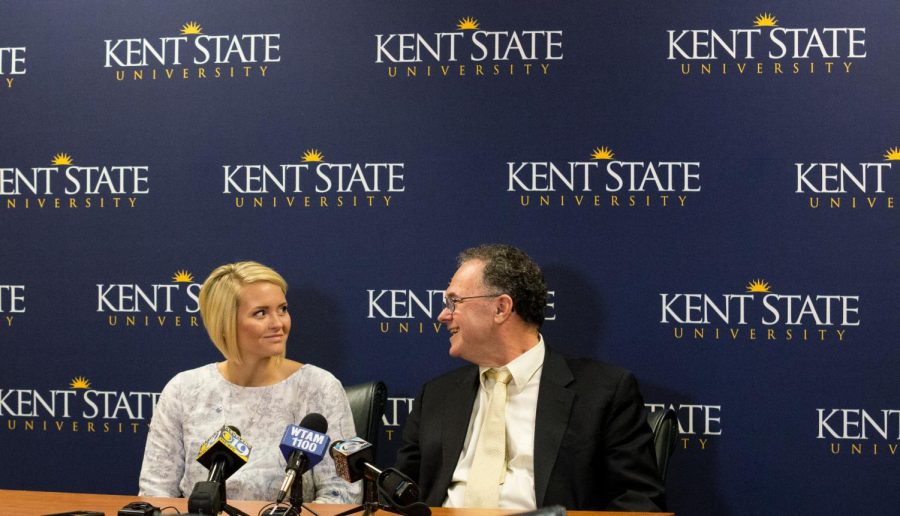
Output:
x,y
523,426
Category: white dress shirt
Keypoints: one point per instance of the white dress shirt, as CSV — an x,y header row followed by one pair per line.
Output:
x,y
517,491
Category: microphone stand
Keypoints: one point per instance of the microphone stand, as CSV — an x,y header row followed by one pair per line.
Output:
x,y
210,495
232,510
370,495
297,496
229,509
295,501
209,498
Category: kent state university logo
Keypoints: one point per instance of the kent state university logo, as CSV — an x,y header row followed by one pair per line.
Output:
x,y
859,431
603,181
314,182
699,426
470,51
192,55
78,409
67,186
12,66
132,305
759,315
396,411
767,48
849,185
12,304
406,311
415,311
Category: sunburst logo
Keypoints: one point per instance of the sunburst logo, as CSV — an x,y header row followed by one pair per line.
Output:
x,y
765,20
80,382
62,159
602,153
758,286
191,28
468,23
183,276
892,154
312,155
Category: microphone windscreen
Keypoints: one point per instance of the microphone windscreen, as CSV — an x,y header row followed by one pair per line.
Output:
x,y
315,422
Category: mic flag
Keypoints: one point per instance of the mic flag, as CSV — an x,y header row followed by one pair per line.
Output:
x,y
351,457
303,447
307,438
224,453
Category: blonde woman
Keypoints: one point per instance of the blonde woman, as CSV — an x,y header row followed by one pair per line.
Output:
x,y
255,389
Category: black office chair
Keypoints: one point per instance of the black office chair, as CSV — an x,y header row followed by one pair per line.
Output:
x,y
664,426
367,401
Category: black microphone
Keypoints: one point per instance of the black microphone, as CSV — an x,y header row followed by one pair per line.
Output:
x,y
223,454
353,460
401,491
303,447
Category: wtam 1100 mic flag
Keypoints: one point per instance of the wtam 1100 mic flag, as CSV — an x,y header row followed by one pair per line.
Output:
x,y
303,446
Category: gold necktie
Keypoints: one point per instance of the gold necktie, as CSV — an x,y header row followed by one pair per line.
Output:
x,y
489,465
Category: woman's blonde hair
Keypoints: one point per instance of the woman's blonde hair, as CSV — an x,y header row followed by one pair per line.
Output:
x,y
219,299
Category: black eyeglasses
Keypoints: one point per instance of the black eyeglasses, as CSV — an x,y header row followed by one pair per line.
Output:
x,y
451,302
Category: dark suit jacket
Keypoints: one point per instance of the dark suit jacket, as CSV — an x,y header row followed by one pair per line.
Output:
x,y
593,447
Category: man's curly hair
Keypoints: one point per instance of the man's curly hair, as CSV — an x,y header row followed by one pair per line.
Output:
x,y
509,270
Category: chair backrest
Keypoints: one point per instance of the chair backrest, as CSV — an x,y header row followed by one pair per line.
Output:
x,y
367,402
664,425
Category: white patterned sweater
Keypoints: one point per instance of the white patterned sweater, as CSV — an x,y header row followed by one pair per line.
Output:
x,y
197,403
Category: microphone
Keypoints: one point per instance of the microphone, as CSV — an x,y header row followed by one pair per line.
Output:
x,y
303,446
401,491
222,454
353,459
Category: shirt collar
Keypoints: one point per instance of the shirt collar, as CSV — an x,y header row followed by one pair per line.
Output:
x,y
523,367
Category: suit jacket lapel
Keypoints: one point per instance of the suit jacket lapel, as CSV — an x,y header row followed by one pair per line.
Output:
x,y
554,407
454,425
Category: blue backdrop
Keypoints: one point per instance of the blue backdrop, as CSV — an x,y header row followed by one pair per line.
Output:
x,y
709,188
